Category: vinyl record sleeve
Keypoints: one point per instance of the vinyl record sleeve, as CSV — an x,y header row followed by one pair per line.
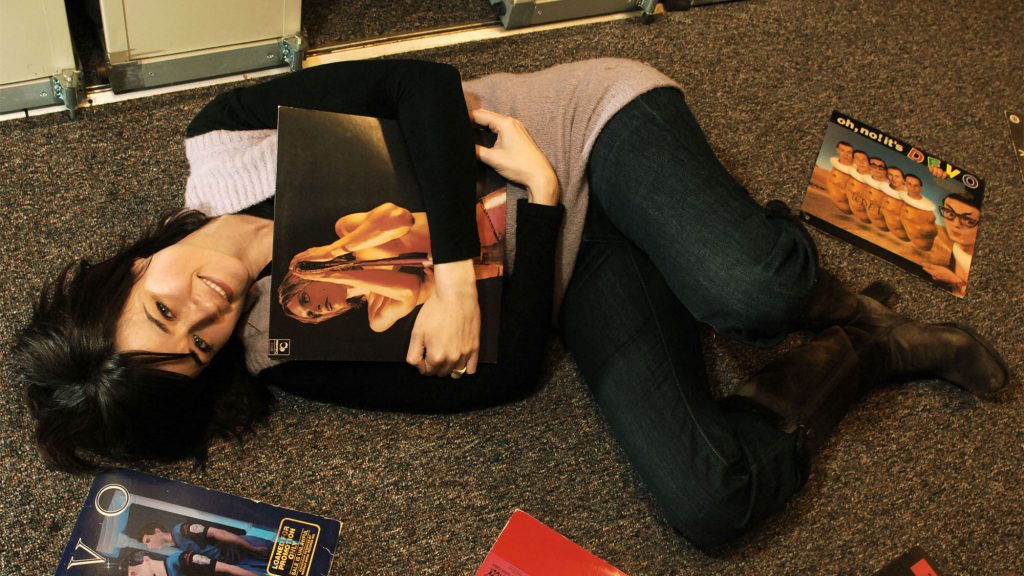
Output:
x,y
346,186
917,211
203,527
527,547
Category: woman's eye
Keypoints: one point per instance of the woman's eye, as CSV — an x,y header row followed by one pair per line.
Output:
x,y
201,344
303,298
164,310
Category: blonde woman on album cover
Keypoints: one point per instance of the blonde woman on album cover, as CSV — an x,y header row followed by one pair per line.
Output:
x,y
382,259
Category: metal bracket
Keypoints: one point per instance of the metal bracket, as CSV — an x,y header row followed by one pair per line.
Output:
x,y
293,49
648,6
67,87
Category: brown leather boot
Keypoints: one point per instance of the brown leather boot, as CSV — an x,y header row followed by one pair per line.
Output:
x,y
950,351
810,388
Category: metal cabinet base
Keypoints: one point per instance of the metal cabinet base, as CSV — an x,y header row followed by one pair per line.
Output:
x,y
150,73
63,89
519,13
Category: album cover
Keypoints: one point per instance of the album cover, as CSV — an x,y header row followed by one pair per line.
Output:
x,y
352,260
896,201
527,547
137,523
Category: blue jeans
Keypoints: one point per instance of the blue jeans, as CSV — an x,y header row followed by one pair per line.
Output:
x,y
671,239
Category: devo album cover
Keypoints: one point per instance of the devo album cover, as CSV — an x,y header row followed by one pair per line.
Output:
x,y
136,524
896,201
352,261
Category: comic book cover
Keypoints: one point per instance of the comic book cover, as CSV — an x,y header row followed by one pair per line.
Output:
x,y
896,201
527,547
352,262
135,523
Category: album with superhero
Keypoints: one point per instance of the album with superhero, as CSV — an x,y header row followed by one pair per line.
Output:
x,y
135,524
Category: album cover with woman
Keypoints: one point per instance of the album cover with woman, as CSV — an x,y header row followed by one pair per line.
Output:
x,y
896,201
352,259
135,523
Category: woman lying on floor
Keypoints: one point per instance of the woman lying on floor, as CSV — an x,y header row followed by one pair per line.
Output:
x,y
657,236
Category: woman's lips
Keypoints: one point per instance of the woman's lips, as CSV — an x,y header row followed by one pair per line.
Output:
x,y
219,287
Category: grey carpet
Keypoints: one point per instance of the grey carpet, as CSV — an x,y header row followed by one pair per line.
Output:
x,y
916,464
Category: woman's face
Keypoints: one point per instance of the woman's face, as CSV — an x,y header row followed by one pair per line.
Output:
x,y
187,300
318,301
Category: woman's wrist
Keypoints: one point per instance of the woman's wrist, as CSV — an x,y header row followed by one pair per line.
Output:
x,y
544,190
455,279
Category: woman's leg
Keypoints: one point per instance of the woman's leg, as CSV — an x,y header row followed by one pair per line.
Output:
x,y
714,473
736,266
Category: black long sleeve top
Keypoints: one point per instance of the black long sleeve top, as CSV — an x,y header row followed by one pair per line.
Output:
x,y
427,100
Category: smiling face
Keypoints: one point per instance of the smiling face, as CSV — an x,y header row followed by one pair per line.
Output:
x,y
186,300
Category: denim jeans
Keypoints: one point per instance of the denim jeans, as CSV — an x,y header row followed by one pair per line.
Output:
x,y
671,239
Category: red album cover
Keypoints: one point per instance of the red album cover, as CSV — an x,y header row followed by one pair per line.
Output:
x,y
526,547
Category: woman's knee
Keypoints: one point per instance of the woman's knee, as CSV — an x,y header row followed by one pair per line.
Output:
x,y
769,297
713,516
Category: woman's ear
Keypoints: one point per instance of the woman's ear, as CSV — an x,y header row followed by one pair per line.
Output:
x,y
139,265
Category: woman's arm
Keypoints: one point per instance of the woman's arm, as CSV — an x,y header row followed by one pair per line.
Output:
x,y
527,300
362,230
427,100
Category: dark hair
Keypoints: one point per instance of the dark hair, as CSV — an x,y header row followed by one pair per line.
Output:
x,y
87,396
969,199
133,558
914,176
148,529
843,143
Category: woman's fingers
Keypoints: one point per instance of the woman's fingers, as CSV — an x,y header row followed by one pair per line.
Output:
x,y
516,156
486,118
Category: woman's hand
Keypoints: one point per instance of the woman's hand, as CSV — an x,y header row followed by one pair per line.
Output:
x,y
446,335
517,157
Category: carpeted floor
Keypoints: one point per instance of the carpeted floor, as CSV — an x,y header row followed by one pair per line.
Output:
x,y
916,464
